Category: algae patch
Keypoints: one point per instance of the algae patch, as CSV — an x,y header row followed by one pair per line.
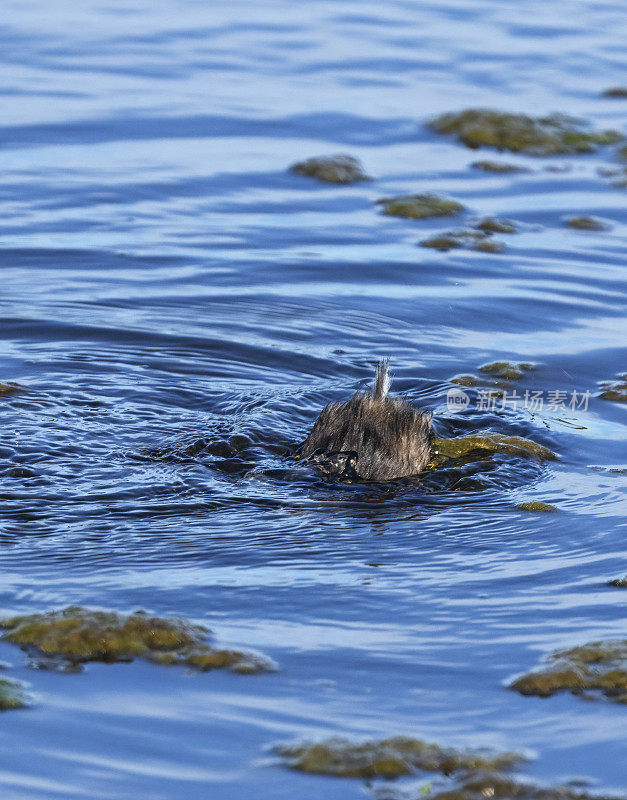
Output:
x,y
339,168
500,167
74,635
539,136
386,758
618,583
616,391
590,669
617,92
502,787
536,505
469,447
586,224
494,225
506,370
469,240
10,388
11,695
420,206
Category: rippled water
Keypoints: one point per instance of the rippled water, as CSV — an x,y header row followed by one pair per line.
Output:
x,y
179,307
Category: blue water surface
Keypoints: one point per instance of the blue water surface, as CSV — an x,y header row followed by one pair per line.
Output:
x,y
167,285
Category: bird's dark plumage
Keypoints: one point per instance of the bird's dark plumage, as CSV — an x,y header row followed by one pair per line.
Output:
x,y
371,436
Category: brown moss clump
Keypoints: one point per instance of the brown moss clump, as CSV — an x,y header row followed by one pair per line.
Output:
x,y
617,391
75,635
506,370
616,92
481,447
11,695
593,668
536,505
339,168
469,240
420,206
9,388
489,246
466,380
497,166
586,224
502,787
543,136
494,225
387,758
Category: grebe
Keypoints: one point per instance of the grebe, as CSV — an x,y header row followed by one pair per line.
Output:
x,y
371,436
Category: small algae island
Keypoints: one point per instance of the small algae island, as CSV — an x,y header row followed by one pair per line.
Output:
x,y
386,758
71,637
555,134
341,168
419,206
590,670
536,506
475,775
504,787
11,695
616,391
469,240
485,446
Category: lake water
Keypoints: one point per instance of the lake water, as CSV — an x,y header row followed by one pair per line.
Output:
x,y
167,284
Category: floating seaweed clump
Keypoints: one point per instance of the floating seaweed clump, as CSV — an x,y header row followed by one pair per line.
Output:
x,y
616,391
502,787
420,206
495,225
9,388
535,505
466,380
507,370
541,136
593,668
74,635
472,447
498,167
616,92
387,758
339,168
586,224
11,695
618,583
470,240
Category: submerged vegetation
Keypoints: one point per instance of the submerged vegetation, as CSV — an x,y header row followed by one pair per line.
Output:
x,y
11,695
616,92
539,136
535,505
498,167
470,240
495,225
74,635
387,758
9,388
506,370
591,669
502,787
586,224
485,446
615,391
339,168
420,206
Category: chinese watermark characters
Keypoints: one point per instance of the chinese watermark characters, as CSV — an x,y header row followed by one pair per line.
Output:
x,y
532,400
